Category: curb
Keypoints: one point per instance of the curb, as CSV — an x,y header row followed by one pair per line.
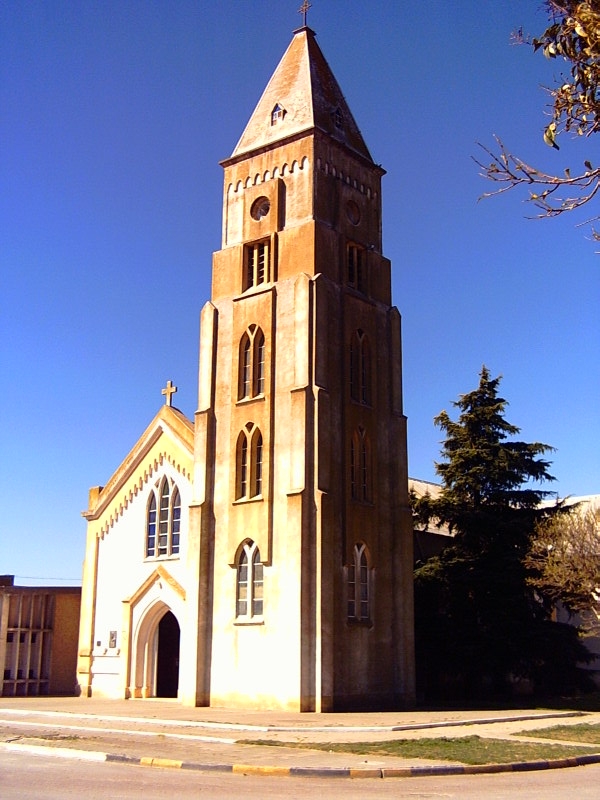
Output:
x,y
305,772
412,726
452,723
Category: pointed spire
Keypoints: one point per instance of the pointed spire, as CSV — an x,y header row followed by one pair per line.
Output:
x,y
302,94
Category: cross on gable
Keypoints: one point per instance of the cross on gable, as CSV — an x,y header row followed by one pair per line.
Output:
x,y
169,391
304,10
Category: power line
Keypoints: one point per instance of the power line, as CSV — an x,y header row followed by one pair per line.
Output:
x,y
37,578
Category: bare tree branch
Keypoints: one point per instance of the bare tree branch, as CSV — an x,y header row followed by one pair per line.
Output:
x,y
573,37
511,171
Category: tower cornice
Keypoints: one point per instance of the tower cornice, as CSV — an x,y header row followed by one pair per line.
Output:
x,y
315,132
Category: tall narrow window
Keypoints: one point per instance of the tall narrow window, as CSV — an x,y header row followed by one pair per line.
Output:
x,y
249,588
242,466
358,585
242,585
363,476
262,250
245,367
259,350
249,463
258,463
353,468
353,369
360,368
360,469
151,527
252,354
175,521
365,366
257,584
163,520
356,267
257,264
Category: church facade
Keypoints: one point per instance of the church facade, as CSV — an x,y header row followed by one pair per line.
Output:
x,y
260,556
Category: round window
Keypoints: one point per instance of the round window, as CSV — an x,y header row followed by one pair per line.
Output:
x,y
260,208
353,212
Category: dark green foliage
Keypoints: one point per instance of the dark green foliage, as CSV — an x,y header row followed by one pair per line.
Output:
x,y
479,626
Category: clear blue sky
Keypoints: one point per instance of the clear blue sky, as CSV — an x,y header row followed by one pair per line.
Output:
x,y
113,118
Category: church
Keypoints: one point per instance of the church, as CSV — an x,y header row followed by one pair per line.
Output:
x,y
260,554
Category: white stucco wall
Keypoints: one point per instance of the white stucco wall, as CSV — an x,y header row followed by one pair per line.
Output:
x,y
122,570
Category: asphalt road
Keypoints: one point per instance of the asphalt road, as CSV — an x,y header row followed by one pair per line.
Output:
x,y
31,777
37,733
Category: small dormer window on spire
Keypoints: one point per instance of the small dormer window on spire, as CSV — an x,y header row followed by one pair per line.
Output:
x,y
338,119
277,114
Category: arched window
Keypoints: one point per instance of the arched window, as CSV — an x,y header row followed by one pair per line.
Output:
x,y
249,463
251,380
242,466
175,520
259,362
364,394
356,263
360,368
257,450
163,520
245,367
249,584
360,466
151,526
359,590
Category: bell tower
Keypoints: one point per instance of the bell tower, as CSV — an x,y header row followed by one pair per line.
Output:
x,y
300,528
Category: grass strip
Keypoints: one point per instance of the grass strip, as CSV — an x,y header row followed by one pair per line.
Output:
x,y
572,733
463,750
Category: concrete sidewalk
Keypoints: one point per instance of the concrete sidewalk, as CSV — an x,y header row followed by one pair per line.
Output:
x,y
165,733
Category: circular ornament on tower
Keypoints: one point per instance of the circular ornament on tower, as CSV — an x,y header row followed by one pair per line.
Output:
x,y
353,212
260,208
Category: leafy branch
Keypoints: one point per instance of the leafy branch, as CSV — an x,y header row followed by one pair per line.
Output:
x,y
573,36
564,560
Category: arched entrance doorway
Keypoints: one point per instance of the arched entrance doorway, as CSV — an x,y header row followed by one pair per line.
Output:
x,y
167,656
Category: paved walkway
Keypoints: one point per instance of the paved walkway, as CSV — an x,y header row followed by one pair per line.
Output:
x,y
165,733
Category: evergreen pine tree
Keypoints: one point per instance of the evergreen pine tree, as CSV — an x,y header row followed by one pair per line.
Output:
x,y
479,624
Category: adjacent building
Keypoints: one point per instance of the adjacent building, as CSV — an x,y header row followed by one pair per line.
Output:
x,y
38,639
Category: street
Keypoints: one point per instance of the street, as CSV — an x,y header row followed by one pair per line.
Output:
x,y
30,777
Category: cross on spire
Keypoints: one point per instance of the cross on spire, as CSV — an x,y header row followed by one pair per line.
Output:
x,y
169,391
304,10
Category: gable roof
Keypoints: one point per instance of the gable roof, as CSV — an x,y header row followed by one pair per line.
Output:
x,y
305,88
168,422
